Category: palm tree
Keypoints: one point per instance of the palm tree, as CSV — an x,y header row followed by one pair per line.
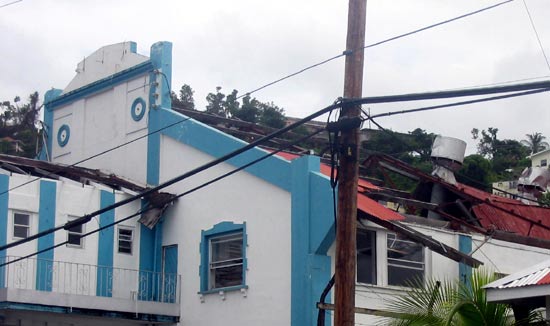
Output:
x,y
451,303
535,142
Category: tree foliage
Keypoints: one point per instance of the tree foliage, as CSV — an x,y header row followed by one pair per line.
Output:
x,y
18,124
185,99
451,303
535,142
250,110
477,172
506,155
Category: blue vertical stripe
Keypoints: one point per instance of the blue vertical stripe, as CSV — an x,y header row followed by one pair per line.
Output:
x,y
464,246
46,220
4,198
105,247
312,232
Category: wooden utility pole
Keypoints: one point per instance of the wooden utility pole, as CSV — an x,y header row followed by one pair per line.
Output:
x,y
344,314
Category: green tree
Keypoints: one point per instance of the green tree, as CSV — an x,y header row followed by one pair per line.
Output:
x,y
216,103
477,172
505,155
271,115
535,142
185,99
19,122
451,303
249,110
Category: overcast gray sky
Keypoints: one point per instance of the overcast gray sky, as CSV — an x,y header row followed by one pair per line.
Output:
x,y
243,44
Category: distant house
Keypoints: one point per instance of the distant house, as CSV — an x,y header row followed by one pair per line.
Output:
x,y
541,159
256,247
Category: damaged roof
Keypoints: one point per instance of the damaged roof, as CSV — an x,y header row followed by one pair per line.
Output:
x,y
474,209
43,169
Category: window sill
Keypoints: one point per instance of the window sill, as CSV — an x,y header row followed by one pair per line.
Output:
x,y
225,289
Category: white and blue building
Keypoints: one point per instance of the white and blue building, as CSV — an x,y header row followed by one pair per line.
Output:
x,y
254,248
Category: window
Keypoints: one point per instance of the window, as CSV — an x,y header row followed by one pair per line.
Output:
x,y
366,256
405,261
223,257
21,225
543,162
74,234
125,239
226,261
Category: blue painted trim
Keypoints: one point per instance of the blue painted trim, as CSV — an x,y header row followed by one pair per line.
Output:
x,y
104,286
150,259
274,170
138,104
4,200
312,228
63,135
46,220
161,78
161,61
220,229
464,246
101,85
133,47
46,151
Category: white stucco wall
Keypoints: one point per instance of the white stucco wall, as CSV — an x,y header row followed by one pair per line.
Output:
x,y
102,122
497,256
238,198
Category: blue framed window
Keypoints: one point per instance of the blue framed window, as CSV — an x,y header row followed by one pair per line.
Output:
x,y
223,258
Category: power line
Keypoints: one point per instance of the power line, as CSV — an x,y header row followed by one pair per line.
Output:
x,y
98,154
11,3
379,99
86,218
442,106
178,196
536,34
348,52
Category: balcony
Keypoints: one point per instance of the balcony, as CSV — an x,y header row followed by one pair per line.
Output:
x,y
68,287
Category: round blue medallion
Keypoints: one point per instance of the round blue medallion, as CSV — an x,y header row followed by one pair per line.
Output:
x,y
63,135
138,109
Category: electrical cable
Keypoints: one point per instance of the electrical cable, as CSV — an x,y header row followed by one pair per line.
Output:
x,y
442,106
87,217
347,52
536,34
380,99
272,153
11,3
334,167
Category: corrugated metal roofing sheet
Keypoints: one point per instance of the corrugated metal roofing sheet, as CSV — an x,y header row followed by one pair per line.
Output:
x,y
364,203
539,277
509,214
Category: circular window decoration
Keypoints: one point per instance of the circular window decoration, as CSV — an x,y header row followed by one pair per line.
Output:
x,y
138,109
63,135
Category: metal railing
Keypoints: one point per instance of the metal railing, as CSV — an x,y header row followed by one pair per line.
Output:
x,y
91,280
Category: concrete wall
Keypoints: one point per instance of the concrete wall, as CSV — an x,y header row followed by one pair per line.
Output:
x,y
497,256
241,198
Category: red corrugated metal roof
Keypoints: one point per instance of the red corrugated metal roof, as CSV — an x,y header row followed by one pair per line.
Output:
x,y
364,203
371,207
509,214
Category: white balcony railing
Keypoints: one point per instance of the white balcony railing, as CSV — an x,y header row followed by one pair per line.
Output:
x,y
89,280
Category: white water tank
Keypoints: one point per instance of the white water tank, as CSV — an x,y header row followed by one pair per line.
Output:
x,y
448,152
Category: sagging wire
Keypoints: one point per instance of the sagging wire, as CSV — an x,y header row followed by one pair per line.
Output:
x,y
334,147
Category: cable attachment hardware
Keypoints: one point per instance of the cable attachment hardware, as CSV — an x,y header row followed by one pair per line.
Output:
x,y
344,124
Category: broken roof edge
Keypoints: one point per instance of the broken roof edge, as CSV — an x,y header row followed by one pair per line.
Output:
x,y
43,169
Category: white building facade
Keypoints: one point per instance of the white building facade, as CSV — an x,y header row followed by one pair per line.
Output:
x,y
254,248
